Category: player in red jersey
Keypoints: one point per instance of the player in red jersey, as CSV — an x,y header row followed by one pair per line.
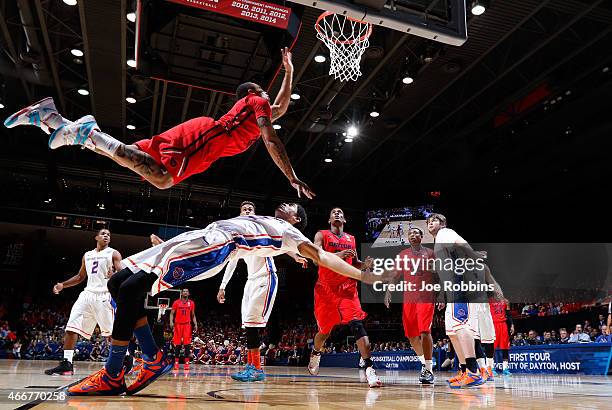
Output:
x,y
187,149
502,321
181,316
336,300
419,307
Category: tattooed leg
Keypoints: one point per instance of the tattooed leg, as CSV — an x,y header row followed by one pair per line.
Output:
x,y
130,156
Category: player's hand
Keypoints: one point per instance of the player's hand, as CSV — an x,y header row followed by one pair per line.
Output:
x,y
343,254
388,299
368,264
302,188
172,325
440,305
511,329
287,63
155,240
301,261
58,288
221,296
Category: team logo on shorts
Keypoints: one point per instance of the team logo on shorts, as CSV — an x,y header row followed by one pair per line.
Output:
x,y
172,162
178,273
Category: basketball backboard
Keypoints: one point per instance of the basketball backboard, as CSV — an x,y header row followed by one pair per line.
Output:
x,y
440,20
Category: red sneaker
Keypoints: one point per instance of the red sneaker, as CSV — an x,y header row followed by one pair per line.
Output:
x,y
150,372
101,384
186,367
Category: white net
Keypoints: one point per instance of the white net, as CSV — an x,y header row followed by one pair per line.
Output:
x,y
346,39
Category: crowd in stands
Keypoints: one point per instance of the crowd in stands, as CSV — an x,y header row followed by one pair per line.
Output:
x,y
39,330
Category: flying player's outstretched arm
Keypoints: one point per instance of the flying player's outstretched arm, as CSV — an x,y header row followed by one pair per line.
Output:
x,y
73,281
281,103
333,262
227,276
277,151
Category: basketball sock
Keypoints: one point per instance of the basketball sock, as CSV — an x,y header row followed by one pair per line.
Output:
x,y
429,365
490,362
105,142
463,366
255,355
471,364
68,355
422,359
482,363
147,343
114,362
249,357
368,362
186,360
505,365
176,359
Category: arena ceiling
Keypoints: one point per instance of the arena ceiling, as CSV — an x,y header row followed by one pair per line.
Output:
x,y
518,110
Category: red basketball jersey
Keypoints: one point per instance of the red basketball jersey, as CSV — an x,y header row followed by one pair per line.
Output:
x,y
241,121
182,311
418,259
333,243
498,311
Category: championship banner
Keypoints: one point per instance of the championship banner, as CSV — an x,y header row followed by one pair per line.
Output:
x,y
252,10
397,360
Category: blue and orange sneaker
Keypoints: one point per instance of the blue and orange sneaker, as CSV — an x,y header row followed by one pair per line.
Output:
x,y
490,374
150,371
468,379
456,377
100,384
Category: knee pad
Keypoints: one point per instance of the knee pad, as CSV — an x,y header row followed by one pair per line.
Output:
x,y
357,329
252,334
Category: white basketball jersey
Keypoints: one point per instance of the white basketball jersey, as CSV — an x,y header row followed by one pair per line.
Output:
x,y
98,266
258,266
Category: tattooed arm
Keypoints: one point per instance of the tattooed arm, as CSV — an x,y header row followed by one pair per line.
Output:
x,y
277,151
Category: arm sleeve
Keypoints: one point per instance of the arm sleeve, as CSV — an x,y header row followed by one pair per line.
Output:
x,y
292,238
509,318
260,106
229,272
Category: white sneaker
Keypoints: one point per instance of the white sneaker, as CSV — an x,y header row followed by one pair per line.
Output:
x,y
76,133
373,380
313,365
40,114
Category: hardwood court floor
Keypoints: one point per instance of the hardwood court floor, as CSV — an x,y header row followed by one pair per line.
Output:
x,y
334,388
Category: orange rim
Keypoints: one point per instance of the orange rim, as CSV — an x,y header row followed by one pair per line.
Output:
x,y
323,34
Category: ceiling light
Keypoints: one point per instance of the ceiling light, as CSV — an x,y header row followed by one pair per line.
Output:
x,y
407,79
130,127
295,96
320,58
70,2
374,113
76,52
478,7
83,91
352,131
1,106
131,100
277,126
131,17
328,160
131,63
348,140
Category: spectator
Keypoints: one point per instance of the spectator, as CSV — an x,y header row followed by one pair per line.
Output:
x,y
554,336
17,350
548,339
533,338
605,336
563,336
518,340
578,336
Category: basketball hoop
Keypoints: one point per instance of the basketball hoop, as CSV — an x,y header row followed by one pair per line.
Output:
x,y
346,38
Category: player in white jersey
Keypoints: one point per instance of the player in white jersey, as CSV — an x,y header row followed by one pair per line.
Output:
x,y
94,305
461,316
257,301
195,255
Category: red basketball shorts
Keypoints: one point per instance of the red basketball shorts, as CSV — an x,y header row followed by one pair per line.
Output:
x,y
502,338
417,318
182,334
335,308
187,149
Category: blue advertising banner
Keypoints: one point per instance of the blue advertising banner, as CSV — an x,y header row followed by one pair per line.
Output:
x,y
588,358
